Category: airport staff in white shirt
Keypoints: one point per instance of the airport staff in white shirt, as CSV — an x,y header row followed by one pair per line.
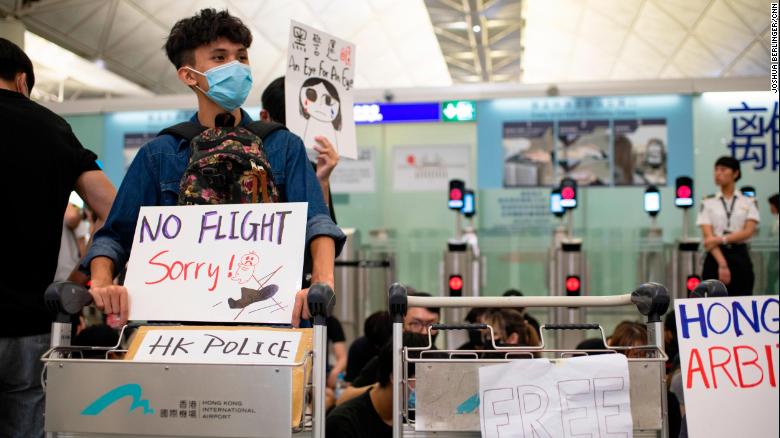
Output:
x,y
728,220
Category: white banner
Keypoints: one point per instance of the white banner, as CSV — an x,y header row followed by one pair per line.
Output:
x,y
358,176
217,263
583,396
430,168
318,88
729,362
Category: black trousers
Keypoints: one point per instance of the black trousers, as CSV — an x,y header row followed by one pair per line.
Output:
x,y
738,259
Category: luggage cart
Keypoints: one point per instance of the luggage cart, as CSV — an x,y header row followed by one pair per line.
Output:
x,y
260,396
442,384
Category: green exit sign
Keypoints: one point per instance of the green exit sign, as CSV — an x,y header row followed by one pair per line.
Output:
x,y
459,111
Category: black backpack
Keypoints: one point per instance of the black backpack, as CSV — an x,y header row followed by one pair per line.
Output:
x,y
227,165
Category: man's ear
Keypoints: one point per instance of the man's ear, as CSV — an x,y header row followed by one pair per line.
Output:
x,y
21,84
187,76
264,116
513,339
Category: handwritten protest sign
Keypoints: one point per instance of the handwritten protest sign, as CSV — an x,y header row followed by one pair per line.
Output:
x,y
318,88
536,398
220,263
217,345
729,361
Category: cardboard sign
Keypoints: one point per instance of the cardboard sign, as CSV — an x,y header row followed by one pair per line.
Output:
x,y
217,263
729,362
216,345
581,396
318,88
204,344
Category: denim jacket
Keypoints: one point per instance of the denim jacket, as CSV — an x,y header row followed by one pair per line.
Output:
x,y
154,176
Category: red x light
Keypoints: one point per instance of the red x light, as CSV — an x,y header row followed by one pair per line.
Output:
x,y
456,285
692,282
573,284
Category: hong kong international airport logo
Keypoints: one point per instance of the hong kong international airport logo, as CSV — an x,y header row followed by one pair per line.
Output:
x,y
131,390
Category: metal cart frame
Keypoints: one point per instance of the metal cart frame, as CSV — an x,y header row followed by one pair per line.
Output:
x,y
648,387
66,371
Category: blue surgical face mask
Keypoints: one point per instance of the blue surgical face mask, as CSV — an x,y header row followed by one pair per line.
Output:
x,y
229,84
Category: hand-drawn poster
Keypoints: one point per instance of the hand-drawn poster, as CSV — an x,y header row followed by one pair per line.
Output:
x,y
586,396
217,263
729,365
318,88
583,152
528,154
640,152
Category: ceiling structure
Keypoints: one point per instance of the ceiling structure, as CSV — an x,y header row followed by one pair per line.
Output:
x,y
645,39
480,39
114,47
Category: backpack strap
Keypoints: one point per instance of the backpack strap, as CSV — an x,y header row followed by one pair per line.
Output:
x,y
185,130
264,129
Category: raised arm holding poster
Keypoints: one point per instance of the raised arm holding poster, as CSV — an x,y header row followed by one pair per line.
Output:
x,y
729,362
318,88
217,263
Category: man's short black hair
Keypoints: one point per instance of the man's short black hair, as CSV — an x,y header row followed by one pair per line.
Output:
x,y
435,310
13,61
774,200
273,100
378,328
203,28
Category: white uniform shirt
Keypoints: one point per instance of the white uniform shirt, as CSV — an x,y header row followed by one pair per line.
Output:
x,y
713,212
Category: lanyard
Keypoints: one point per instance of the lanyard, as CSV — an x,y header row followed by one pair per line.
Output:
x,y
729,211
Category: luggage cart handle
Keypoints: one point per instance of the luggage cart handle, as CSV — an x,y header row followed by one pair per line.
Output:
x,y
709,288
459,326
652,300
65,298
570,327
397,302
321,300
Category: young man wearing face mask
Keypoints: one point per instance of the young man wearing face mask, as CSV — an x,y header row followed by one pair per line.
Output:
x,y
210,53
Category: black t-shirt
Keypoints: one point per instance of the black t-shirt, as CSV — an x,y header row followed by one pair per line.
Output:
x,y
356,418
360,352
534,323
43,159
335,331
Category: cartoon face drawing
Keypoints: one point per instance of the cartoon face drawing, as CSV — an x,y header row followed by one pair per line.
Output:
x,y
246,268
250,259
319,100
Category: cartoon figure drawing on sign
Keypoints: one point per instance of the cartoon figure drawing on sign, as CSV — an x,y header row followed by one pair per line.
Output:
x,y
245,273
321,107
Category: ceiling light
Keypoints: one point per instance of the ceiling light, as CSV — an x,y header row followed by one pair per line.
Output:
x,y
476,28
45,54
